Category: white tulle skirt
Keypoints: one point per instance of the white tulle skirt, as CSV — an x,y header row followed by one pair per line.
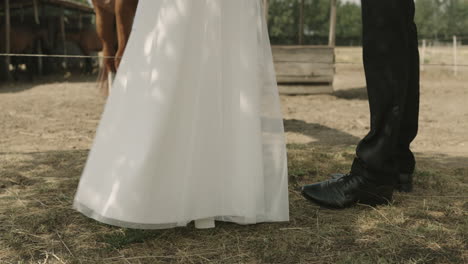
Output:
x,y
192,129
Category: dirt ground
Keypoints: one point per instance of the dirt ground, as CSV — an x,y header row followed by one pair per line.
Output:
x,y
47,129
343,117
62,115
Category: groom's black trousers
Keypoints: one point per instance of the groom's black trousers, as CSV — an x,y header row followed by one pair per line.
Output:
x,y
391,63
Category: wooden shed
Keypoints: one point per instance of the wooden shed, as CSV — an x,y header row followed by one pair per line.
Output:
x,y
305,69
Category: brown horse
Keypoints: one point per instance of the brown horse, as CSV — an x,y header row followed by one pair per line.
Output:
x,y
114,21
89,42
24,40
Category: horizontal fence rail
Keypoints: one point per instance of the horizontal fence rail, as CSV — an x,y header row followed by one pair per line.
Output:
x,y
114,57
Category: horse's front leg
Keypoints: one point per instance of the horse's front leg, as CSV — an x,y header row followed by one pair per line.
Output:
x,y
105,22
105,27
125,13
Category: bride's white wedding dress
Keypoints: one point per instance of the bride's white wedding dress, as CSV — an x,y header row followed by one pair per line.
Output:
x,y
192,129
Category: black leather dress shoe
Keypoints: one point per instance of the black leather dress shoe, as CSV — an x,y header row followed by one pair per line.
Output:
x,y
347,191
404,183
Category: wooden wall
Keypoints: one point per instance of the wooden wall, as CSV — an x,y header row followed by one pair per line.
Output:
x,y
304,69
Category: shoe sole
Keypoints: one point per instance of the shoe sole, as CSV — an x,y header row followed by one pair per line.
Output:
x,y
384,197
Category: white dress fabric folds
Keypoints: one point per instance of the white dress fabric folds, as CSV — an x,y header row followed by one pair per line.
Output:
x,y
192,128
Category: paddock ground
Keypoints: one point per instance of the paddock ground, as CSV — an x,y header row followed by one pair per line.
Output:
x,y
47,128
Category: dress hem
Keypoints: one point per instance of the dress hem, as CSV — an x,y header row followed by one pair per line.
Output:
x,y
88,212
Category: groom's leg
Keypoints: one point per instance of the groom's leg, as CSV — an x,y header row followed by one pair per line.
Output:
x,y
389,44
409,122
389,58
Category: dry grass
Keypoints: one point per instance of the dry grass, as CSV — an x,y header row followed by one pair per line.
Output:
x,y
428,226
47,129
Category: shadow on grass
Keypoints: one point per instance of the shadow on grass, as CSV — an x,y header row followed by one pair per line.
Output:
x,y
359,93
16,87
37,219
322,135
20,86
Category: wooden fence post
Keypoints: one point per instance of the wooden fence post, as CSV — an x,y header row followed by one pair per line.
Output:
x,y
63,36
455,59
332,34
40,62
36,12
6,60
423,54
301,22
266,7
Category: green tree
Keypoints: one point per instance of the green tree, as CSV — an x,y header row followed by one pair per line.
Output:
x,y
284,22
441,19
348,24
455,18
